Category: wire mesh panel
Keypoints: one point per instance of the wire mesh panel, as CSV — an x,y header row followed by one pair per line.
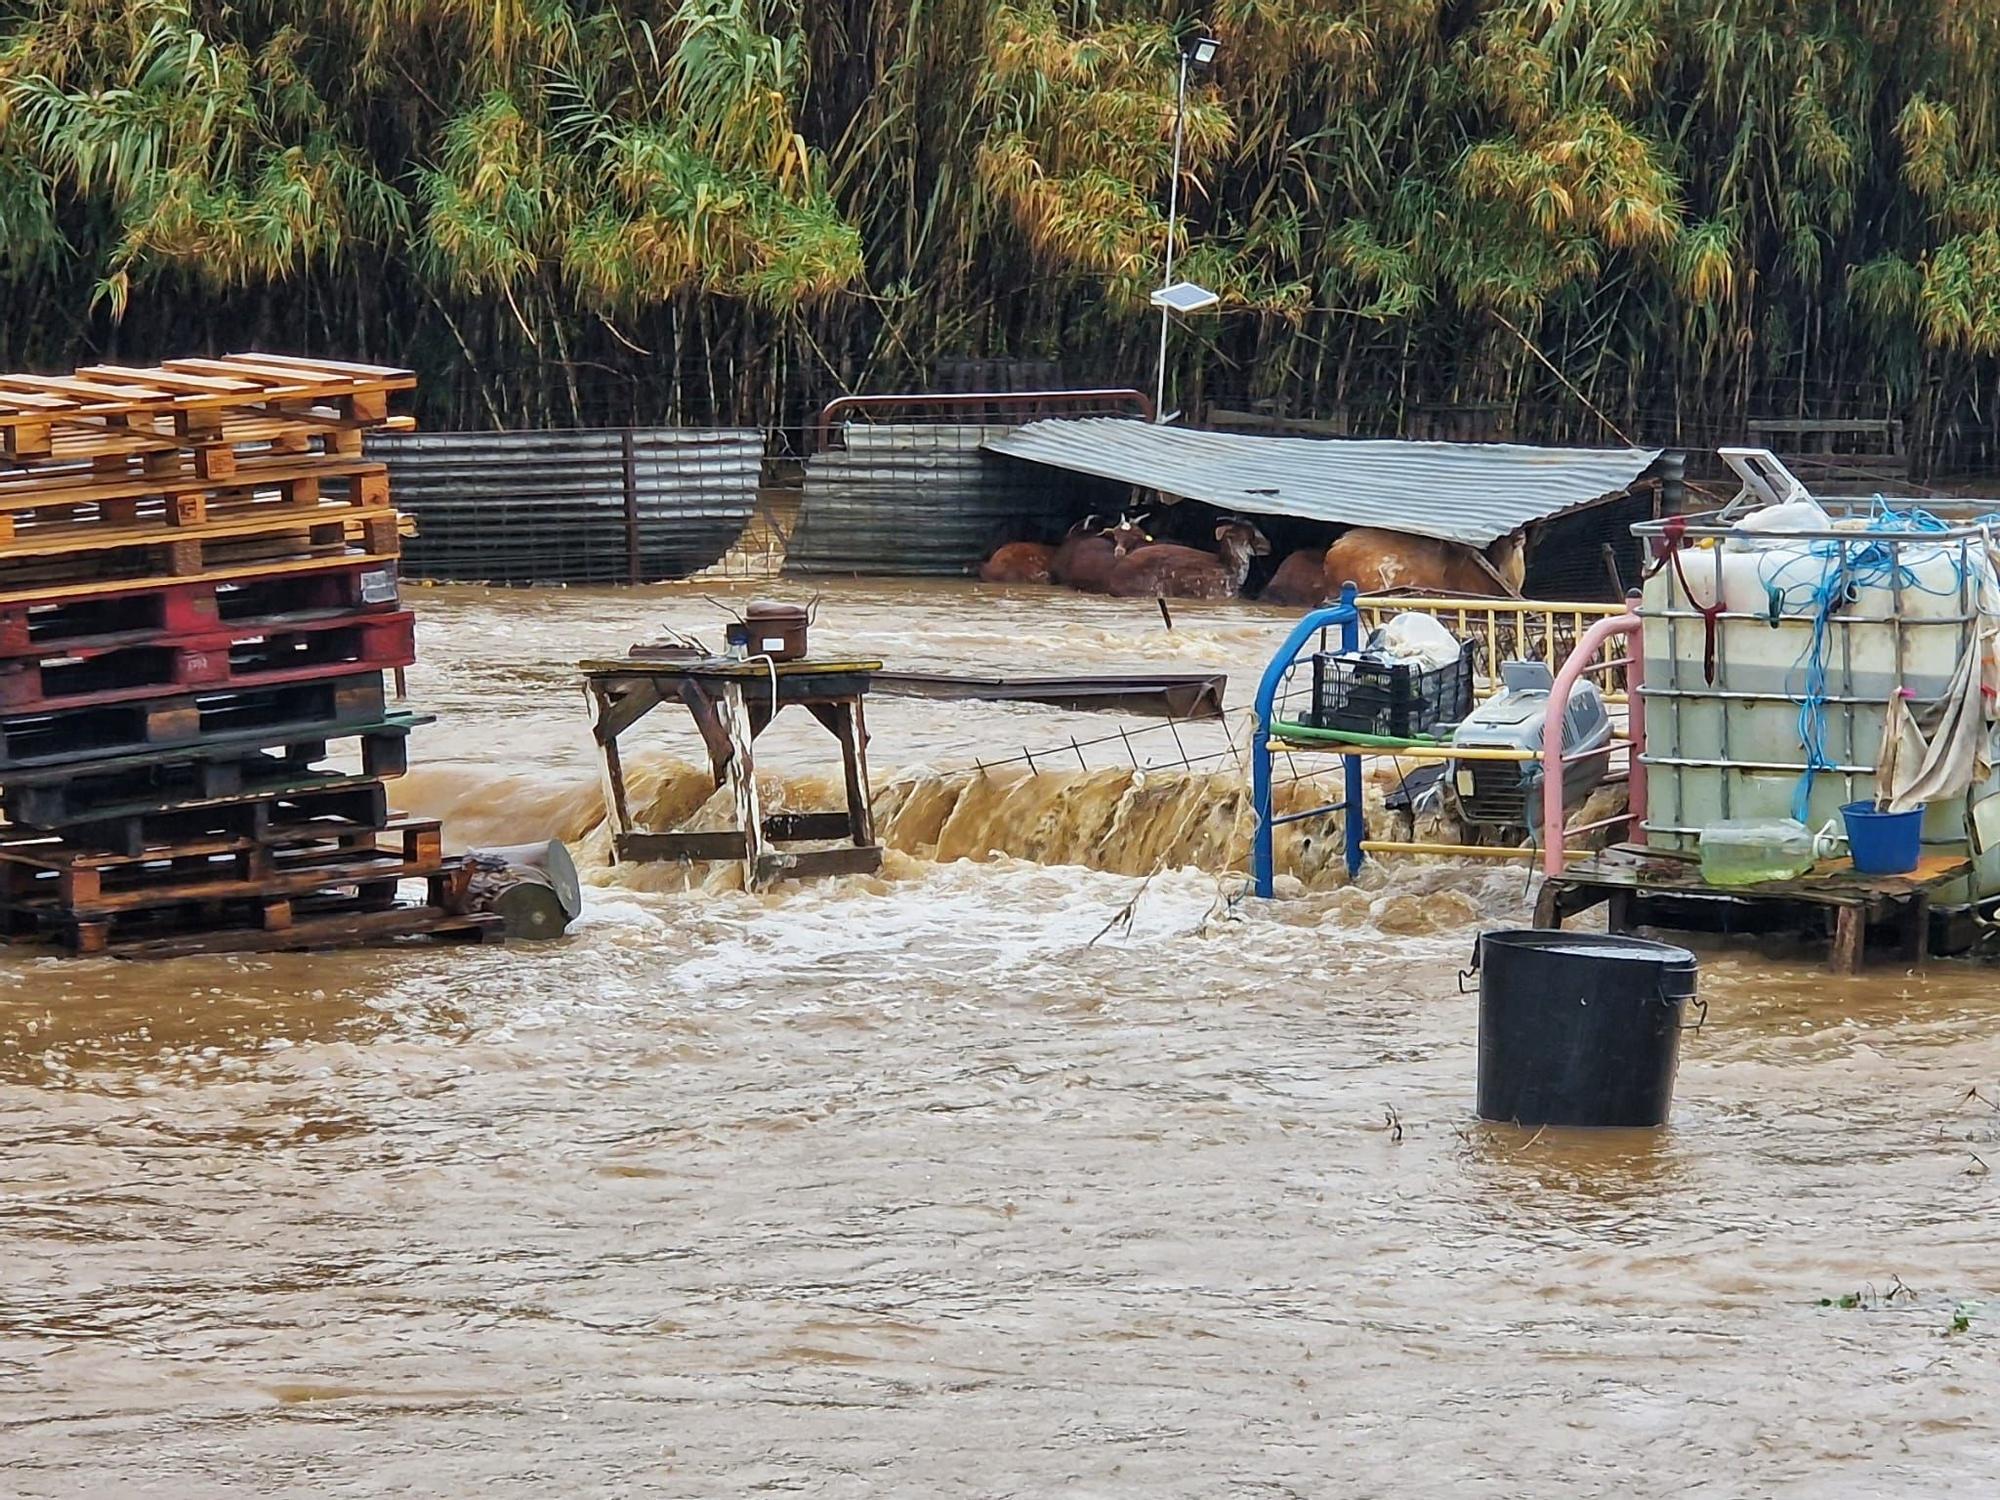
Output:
x,y
624,505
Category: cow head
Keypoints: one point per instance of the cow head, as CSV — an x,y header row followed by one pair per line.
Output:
x,y
1242,539
1509,557
1129,534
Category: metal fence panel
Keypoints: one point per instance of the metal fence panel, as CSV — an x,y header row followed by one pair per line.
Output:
x,y
609,506
921,498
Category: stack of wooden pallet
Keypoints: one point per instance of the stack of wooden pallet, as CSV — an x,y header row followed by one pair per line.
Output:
x,y
198,602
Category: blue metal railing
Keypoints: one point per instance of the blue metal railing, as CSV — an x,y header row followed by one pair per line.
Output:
x,y
1348,618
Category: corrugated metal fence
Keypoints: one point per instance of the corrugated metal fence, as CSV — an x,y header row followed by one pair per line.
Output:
x,y
921,498
626,505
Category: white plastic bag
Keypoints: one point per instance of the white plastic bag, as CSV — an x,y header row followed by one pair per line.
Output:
x,y
1417,637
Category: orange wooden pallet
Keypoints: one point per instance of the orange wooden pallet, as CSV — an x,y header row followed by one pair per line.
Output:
x,y
49,874
25,494
120,411
47,567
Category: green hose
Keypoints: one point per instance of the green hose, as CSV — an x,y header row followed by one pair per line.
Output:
x,y
1285,729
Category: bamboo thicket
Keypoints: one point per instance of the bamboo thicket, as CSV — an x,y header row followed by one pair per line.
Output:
x,y
1608,218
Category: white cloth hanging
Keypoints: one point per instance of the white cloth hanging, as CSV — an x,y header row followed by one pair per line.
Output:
x,y
1913,769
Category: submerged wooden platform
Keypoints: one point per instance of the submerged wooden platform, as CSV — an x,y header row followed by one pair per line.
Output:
x,y
1640,886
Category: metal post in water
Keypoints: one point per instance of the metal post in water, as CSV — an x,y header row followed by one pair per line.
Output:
x,y
1351,821
1345,615
1173,212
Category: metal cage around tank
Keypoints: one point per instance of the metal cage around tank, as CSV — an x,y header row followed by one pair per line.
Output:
x,y
1744,707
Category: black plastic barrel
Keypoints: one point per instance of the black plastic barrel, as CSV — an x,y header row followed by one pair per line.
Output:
x,y
1579,1028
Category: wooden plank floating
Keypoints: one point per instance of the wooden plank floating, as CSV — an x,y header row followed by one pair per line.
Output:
x,y
1173,695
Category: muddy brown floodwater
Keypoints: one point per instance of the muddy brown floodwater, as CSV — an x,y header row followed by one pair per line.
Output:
x,y
905,1186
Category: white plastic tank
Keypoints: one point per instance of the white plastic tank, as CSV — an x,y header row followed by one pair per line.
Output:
x,y
1814,605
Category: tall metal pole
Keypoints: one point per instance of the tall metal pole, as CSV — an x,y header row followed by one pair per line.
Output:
x,y
1173,212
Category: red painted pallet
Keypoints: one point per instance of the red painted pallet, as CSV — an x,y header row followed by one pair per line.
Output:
x,y
138,612
244,658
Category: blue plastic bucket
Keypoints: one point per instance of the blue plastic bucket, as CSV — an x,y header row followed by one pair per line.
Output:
x,y
1883,843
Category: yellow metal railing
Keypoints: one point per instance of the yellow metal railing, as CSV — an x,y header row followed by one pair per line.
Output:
x,y
1507,629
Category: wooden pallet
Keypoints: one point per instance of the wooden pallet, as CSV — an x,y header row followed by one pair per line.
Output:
x,y
142,611
152,448
122,411
222,920
249,657
301,805
326,930
74,736
53,874
44,560
1649,887
216,768
181,495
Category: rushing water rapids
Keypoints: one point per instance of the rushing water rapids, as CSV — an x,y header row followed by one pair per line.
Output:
x,y
1010,1171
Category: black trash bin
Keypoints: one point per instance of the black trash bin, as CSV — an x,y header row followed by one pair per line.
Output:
x,y
1579,1028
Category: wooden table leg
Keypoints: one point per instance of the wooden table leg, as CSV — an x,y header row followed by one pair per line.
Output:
x,y
846,723
1618,911
1917,928
1850,932
854,755
616,811
1548,906
742,780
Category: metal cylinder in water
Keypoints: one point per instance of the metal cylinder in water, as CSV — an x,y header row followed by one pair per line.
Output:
x,y
1579,1028
533,888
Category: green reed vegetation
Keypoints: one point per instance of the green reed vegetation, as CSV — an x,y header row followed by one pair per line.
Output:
x,y
1606,216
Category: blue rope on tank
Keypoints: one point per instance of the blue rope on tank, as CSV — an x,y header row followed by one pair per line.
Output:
x,y
1810,580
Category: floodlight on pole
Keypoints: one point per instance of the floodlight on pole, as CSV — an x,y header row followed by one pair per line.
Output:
x,y
1199,51
1185,297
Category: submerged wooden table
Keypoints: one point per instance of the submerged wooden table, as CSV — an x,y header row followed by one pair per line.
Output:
x,y
732,703
1626,875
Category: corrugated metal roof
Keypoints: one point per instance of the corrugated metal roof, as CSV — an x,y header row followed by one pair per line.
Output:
x,y
1474,493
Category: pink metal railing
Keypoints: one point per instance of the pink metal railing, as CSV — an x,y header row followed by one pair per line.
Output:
x,y
1554,836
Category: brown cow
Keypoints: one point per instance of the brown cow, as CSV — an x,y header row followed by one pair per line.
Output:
x,y
1087,555
1018,562
1395,562
1166,570
1300,580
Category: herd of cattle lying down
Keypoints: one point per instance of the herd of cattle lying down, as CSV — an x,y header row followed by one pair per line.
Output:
x,y
1124,561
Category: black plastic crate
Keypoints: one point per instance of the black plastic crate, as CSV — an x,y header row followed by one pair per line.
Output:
x,y
1361,695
